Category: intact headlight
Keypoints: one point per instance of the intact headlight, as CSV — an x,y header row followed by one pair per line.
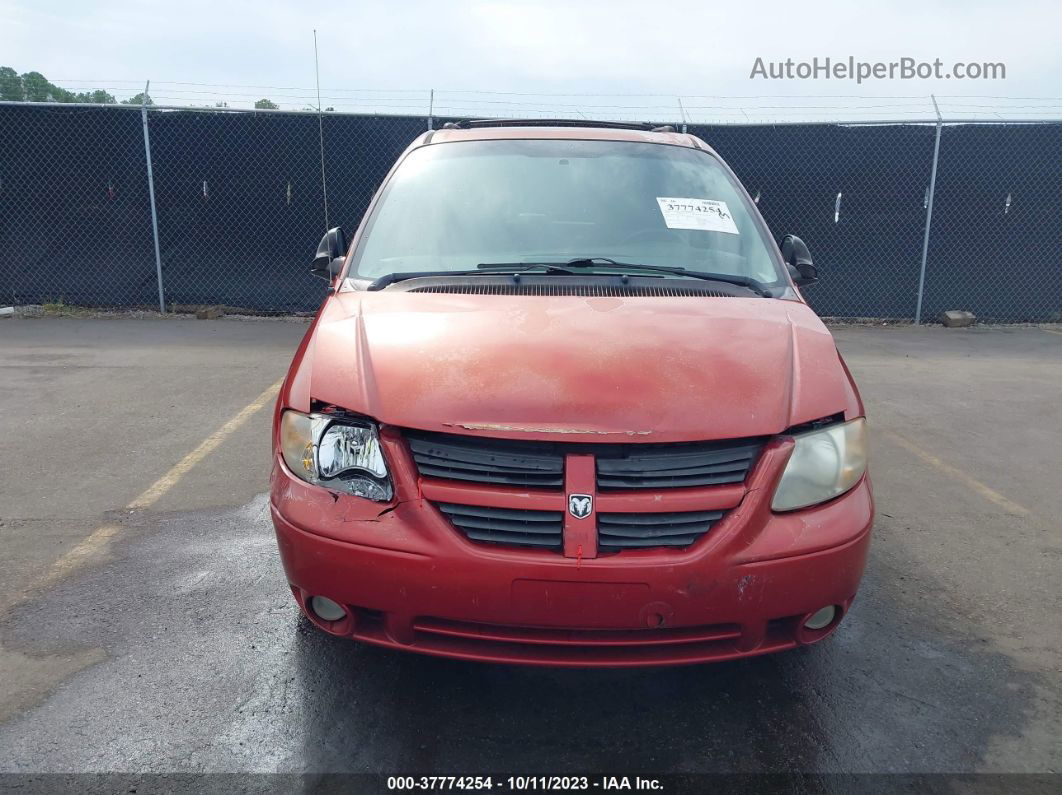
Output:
x,y
824,464
335,452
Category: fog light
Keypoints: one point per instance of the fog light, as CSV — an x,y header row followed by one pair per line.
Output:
x,y
821,618
327,610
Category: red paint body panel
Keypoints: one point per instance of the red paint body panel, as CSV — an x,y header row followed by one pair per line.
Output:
x,y
572,369
584,369
740,591
580,534
412,581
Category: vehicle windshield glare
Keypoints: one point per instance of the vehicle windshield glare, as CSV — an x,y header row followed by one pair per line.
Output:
x,y
452,206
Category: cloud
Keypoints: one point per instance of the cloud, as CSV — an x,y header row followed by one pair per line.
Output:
x,y
397,51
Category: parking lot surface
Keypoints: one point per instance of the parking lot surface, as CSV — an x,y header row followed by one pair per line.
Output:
x,y
145,624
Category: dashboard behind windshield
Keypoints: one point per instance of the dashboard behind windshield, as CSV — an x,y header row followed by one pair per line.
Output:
x,y
452,206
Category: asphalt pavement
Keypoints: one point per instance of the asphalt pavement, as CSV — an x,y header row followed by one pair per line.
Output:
x,y
170,642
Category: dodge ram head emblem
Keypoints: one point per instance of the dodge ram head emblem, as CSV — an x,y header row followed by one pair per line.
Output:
x,y
580,505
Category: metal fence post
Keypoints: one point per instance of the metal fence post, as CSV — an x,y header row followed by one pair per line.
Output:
x,y
320,129
929,215
151,196
431,109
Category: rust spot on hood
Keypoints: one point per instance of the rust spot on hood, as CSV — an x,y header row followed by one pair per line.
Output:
x,y
528,429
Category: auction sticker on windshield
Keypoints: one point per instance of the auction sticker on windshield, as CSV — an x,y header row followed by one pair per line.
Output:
x,y
705,214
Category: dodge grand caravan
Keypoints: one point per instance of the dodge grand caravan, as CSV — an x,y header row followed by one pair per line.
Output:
x,y
564,404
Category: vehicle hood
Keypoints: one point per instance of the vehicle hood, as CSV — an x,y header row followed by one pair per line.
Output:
x,y
573,368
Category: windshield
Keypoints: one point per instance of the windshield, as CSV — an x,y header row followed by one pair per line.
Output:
x,y
453,206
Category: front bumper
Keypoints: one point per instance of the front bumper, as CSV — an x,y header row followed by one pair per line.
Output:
x,y
408,580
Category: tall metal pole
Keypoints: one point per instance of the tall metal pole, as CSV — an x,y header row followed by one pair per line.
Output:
x,y
929,214
320,128
431,107
151,195
682,113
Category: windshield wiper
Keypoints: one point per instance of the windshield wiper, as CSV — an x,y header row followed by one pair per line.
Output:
x,y
730,278
516,268
748,282
570,267
489,269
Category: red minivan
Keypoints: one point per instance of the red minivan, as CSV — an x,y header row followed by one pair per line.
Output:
x,y
565,405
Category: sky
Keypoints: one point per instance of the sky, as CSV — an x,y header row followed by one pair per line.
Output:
x,y
606,59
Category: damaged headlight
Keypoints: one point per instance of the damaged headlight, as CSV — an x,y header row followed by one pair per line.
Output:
x,y
336,452
824,464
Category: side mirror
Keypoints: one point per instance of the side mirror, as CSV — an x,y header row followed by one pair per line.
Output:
x,y
330,253
798,261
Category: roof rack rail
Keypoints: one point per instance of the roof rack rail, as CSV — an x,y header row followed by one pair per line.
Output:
x,y
466,124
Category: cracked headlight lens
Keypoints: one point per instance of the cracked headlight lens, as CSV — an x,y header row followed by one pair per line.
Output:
x,y
336,452
825,464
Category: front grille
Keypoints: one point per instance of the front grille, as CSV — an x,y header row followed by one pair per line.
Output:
x,y
644,472
633,530
509,526
619,466
676,465
440,455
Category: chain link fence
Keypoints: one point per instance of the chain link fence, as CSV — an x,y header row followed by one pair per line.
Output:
x,y
853,193
75,217
240,205
995,244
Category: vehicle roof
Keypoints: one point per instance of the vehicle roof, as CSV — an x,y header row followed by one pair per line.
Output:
x,y
566,132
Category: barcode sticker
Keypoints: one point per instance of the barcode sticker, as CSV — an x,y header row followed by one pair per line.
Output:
x,y
705,214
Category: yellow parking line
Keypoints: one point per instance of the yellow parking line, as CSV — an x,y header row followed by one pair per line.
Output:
x,y
153,492
95,542
988,493
76,557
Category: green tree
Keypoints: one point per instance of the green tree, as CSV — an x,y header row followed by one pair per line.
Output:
x,y
265,104
97,97
11,85
139,99
37,88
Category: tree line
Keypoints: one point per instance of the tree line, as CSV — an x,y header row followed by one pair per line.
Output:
x,y
35,87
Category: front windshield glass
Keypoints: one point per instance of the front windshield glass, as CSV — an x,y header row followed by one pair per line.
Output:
x,y
452,206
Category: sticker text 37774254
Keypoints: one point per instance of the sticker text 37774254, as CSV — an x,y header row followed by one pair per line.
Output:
x,y
705,214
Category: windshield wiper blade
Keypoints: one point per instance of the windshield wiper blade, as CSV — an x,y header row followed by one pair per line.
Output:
x,y
523,267
590,262
570,267
488,269
391,278
730,278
